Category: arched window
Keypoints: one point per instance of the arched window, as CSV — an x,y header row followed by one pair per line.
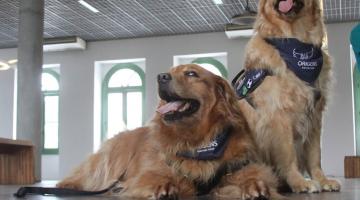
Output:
x,y
50,107
122,99
212,65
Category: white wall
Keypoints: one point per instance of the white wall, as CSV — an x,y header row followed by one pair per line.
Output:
x,y
50,167
338,135
7,95
77,87
6,103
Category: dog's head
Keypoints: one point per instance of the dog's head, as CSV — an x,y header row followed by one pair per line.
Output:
x,y
287,16
194,98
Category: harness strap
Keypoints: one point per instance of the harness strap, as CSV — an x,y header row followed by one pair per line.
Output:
x,y
23,191
204,188
246,81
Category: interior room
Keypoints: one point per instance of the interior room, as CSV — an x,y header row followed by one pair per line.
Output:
x,y
76,73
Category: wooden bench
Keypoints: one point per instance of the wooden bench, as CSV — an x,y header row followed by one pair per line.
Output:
x,y
352,166
16,162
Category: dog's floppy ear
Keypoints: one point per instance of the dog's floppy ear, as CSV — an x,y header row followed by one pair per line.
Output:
x,y
227,96
223,90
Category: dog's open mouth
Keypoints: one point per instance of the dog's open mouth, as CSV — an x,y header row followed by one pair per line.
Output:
x,y
289,7
176,108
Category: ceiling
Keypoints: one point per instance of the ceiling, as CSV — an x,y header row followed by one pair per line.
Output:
x,y
120,19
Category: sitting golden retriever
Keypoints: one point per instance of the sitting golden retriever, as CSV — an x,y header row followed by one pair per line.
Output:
x,y
197,143
285,90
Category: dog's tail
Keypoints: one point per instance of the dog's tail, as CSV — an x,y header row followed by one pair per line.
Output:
x,y
106,166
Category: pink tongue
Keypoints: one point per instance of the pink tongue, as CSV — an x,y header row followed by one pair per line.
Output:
x,y
172,106
285,6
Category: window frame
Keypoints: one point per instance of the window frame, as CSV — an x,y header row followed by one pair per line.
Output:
x,y
214,62
56,75
105,90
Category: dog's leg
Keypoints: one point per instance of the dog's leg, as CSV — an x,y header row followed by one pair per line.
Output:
x,y
313,164
252,182
298,183
283,154
288,168
313,154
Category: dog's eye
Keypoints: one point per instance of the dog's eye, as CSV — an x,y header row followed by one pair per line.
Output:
x,y
191,73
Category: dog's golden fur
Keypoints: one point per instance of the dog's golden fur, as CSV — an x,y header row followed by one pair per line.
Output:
x,y
287,120
146,159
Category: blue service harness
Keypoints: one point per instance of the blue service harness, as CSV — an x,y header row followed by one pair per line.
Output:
x,y
304,59
214,150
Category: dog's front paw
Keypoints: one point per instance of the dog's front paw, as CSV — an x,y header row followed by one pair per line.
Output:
x,y
255,189
305,186
166,191
249,190
329,185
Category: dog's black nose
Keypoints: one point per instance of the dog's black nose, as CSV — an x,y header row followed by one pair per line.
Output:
x,y
164,77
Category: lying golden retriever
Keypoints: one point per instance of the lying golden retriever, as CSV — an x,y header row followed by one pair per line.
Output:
x,y
197,143
285,90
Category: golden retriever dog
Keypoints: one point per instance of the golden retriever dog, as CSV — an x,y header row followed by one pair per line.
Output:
x,y
197,143
291,75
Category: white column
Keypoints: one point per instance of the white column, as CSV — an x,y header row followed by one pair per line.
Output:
x,y
30,56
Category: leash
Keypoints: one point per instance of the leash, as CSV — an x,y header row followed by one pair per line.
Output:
x,y
60,192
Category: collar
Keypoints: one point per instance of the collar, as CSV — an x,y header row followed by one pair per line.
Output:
x,y
214,150
304,59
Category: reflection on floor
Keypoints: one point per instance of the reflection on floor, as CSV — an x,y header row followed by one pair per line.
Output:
x,y
350,191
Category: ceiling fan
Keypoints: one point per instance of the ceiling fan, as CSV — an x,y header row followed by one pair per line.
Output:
x,y
241,25
247,18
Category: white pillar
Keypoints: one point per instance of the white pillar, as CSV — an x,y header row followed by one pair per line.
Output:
x,y
30,56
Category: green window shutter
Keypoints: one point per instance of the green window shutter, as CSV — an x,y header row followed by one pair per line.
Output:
x,y
357,107
214,62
